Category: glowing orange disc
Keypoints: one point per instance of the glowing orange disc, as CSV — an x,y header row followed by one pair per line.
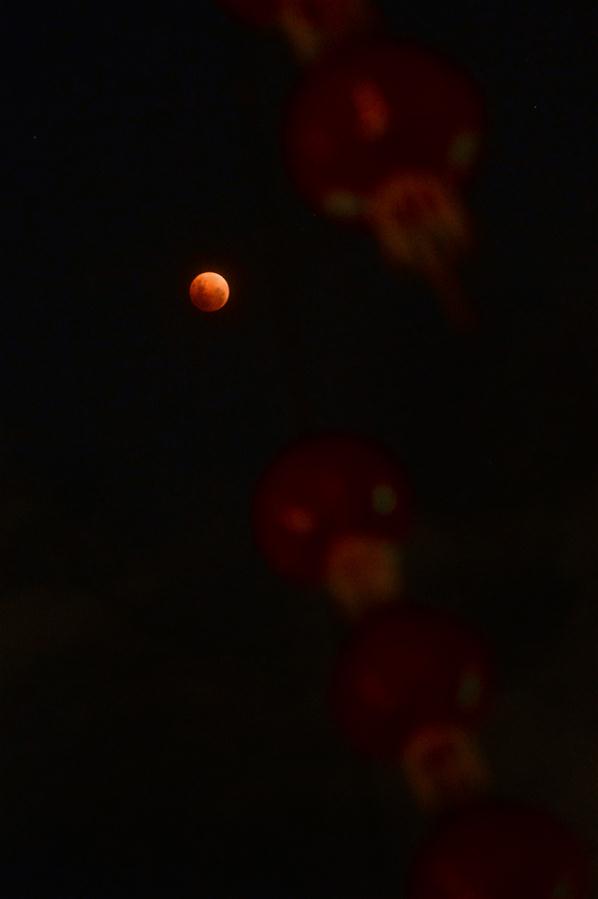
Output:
x,y
209,292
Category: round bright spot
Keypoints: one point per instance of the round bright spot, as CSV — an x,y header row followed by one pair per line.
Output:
x,y
209,292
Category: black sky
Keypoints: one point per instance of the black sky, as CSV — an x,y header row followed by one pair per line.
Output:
x,y
140,151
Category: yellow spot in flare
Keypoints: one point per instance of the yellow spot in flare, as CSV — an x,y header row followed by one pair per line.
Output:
x,y
364,572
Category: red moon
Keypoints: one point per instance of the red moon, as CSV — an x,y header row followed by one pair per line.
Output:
x,y
209,292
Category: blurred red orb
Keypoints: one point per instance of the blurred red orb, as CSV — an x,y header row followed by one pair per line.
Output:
x,y
209,292
322,489
501,852
405,669
375,112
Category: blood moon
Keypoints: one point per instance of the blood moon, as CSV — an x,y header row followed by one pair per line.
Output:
x,y
209,291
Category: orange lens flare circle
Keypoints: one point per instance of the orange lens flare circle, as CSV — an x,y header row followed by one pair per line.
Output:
x,y
420,220
444,767
209,292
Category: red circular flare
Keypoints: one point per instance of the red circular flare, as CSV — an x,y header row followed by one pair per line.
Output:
x,y
501,852
376,111
321,489
405,669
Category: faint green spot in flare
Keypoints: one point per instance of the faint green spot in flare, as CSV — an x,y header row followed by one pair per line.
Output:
x,y
562,890
342,204
384,499
469,691
463,149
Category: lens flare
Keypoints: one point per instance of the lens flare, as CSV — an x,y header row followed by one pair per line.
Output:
x,y
377,112
404,670
332,511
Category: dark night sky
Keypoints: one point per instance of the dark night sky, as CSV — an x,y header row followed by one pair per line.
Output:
x,y
139,152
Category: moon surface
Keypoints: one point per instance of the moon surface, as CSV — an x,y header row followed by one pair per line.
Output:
x,y
209,291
